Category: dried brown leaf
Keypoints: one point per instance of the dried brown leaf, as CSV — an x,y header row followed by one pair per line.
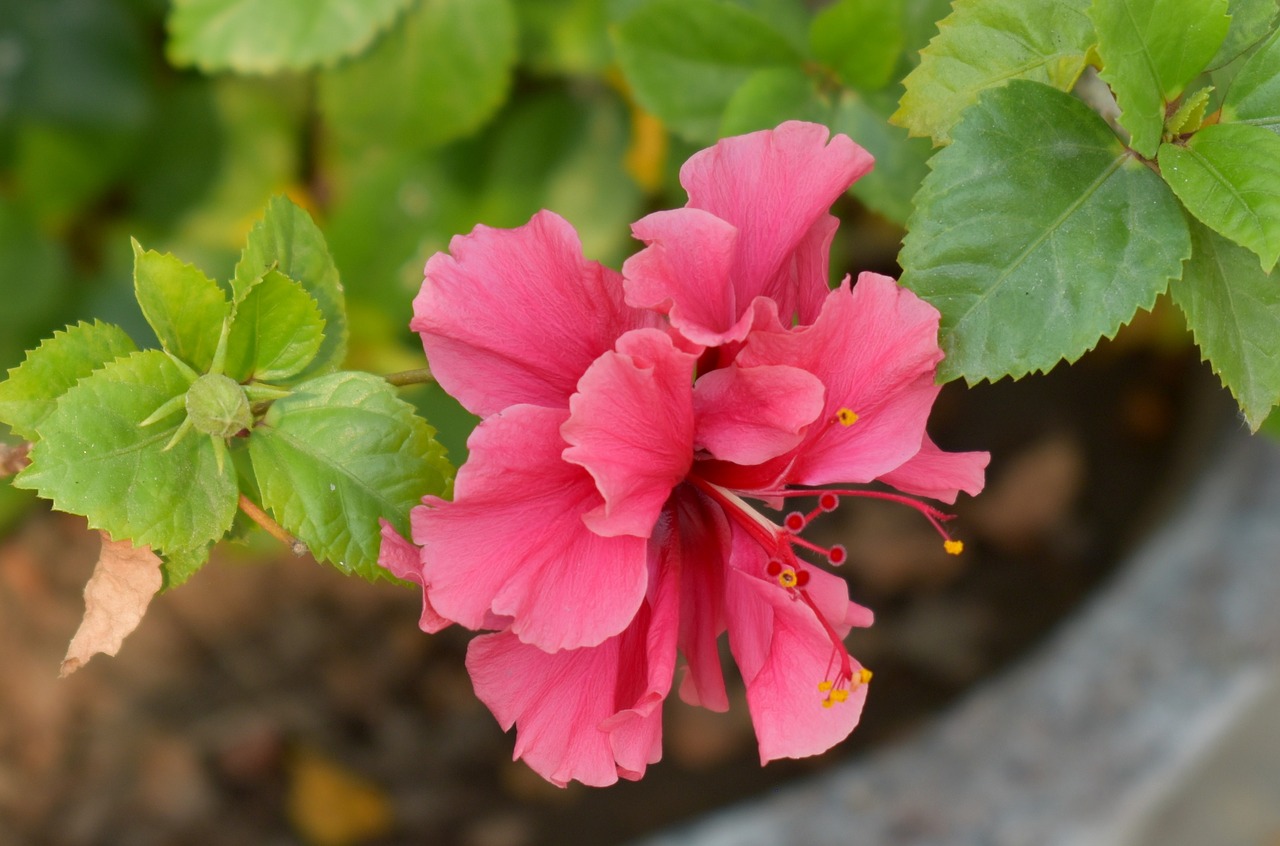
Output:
x,y
13,457
116,597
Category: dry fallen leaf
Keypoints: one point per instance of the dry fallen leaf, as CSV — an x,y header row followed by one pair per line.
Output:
x,y
116,597
14,457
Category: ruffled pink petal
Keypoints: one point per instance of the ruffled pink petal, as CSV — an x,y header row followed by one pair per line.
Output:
x,y
784,653
512,542
686,273
940,475
631,427
875,349
590,714
698,529
775,187
516,315
751,414
404,561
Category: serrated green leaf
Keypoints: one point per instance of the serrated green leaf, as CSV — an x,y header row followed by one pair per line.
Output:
x,y
1228,176
276,332
985,43
901,162
335,456
1150,50
685,59
769,97
1254,95
266,36
185,308
440,76
1190,114
27,397
1036,233
1250,22
861,40
95,460
178,565
289,241
1233,310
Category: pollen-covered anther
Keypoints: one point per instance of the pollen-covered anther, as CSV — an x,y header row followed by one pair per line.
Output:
x,y
846,417
953,547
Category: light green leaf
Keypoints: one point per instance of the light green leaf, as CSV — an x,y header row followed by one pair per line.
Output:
x,y
185,308
1190,114
335,456
1271,426
985,43
861,40
685,59
1228,176
27,397
564,36
438,77
901,162
276,332
176,566
1254,95
94,459
1233,309
1150,50
769,97
1036,233
289,241
266,36
1250,22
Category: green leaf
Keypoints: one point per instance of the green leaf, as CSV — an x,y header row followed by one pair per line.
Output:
x,y
289,241
901,162
94,459
1254,95
1233,309
339,453
685,58
176,566
185,308
266,36
861,40
438,77
564,36
1228,176
276,333
1150,50
1190,114
1037,232
1250,22
34,272
772,96
1271,426
985,43
27,397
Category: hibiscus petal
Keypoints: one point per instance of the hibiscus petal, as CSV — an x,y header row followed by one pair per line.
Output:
x,y
775,187
631,428
751,414
940,475
516,315
590,714
404,561
698,530
512,542
875,349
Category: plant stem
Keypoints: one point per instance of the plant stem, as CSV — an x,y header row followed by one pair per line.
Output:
x,y
272,528
421,376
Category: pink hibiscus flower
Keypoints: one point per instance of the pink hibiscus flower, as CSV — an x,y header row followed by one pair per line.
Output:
x,y
603,523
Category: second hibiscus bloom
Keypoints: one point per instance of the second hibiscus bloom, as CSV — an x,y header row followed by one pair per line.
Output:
x,y
602,525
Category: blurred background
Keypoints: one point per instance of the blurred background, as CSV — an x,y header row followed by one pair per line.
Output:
x,y
274,701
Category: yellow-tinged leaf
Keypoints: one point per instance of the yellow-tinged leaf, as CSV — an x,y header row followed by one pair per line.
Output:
x,y
123,582
332,806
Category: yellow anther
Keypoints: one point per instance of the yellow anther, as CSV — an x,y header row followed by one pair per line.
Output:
x,y
953,547
827,703
824,686
787,578
839,695
846,417
864,676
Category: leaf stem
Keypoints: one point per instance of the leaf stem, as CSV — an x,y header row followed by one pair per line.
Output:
x,y
421,376
263,519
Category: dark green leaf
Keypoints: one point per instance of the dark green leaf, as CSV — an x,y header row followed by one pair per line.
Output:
x,y
1228,176
27,397
338,454
1233,309
1250,22
289,241
439,76
266,36
861,40
1036,233
985,43
184,307
1150,50
1254,95
94,459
